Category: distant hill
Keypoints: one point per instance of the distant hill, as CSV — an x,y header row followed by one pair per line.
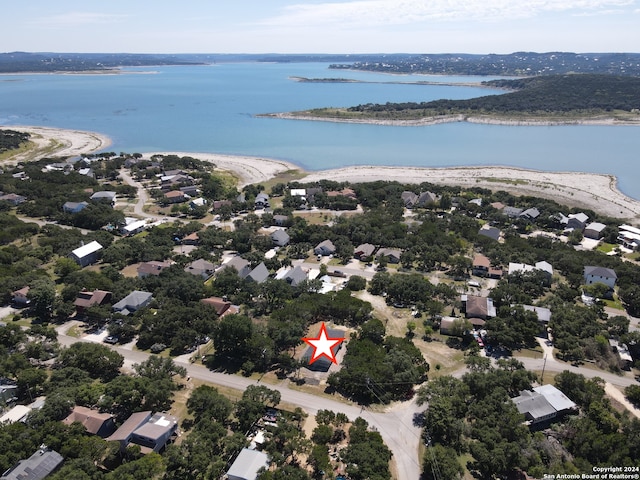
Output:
x,y
513,64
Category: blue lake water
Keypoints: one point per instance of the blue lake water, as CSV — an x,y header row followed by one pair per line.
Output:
x,y
213,108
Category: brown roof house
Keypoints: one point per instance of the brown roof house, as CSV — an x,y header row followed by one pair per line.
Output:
x,y
478,308
86,299
174,196
20,298
222,307
152,268
94,422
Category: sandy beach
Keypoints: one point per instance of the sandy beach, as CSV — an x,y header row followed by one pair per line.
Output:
x,y
584,190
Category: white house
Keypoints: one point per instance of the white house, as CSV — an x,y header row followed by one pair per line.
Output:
x,y
600,275
86,254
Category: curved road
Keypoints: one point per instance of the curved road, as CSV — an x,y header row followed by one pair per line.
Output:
x,y
395,425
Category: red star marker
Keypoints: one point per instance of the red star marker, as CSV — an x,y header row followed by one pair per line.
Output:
x,y
322,345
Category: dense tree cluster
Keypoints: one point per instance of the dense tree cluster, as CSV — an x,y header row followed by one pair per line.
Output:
x,y
11,140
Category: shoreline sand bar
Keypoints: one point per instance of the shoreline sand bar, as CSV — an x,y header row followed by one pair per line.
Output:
x,y
596,192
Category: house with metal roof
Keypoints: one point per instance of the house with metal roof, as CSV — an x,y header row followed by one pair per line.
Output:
x,y
74,207
247,464
133,302
240,265
594,230
280,238
258,274
543,403
36,467
86,254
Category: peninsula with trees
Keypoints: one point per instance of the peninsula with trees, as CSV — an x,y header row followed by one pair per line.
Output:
x,y
545,99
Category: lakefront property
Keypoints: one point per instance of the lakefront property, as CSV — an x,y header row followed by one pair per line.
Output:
x,y
183,336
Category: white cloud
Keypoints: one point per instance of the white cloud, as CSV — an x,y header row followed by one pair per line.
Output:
x,y
78,19
400,12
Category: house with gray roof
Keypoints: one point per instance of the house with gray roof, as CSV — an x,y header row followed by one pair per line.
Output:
x,y
258,274
543,314
577,221
247,464
364,250
150,432
201,267
325,248
104,196
594,230
530,213
512,212
37,467
280,238
542,403
409,198
392,255
490,232
133,302
600,275
74,207
262,200
296,276
240,265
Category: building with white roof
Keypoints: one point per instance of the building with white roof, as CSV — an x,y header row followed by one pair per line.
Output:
x,y
247,464
87,254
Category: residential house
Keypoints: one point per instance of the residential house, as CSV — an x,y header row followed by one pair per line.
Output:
x,y
222,307
87,172
298,192
364,250
197,203
155,433
629,236
258,274
94,422
345,192
296,276
191,239
325,248
174,196
152,268
543,314
600,275
201,267
622,351
261,201
392,255
86,299
19,413
20,298
522,268
240,265
530,214
409,199
281,220
74,207
37,467
449,326
323,364
218,204
577,221
478,307
490,232
426,198
104,196
480,266
280,238
13,199
150,432
87,254
8,391
497,205
542,403
477,201
512,212
133,227
594,230
247,464
133,302
192,191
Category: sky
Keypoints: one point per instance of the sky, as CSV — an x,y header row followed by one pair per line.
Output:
x,y
319,26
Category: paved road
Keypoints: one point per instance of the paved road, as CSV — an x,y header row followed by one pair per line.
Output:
x,y
395,426
142,196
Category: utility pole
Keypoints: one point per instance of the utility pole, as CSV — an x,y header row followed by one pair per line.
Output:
x,y
543,367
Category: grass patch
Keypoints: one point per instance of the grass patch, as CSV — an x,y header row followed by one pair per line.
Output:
x,y
606,247
75,332
615,303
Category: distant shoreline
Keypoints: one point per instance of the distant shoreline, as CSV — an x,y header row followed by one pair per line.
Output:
x,y
427,121
597,192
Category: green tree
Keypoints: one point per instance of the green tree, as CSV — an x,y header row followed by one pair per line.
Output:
x,y
97,360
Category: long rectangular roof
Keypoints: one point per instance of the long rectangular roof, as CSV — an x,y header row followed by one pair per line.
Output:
x,y
87,249
247,464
